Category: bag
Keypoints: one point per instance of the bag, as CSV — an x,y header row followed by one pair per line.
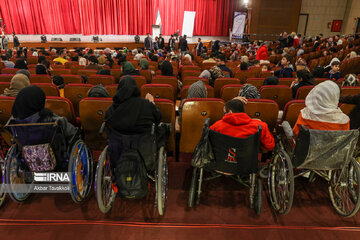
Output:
x,y
148,151
130,173
40,157
203,153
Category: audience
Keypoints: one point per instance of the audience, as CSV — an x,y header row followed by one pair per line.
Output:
x,y
61,59
18,82
303,78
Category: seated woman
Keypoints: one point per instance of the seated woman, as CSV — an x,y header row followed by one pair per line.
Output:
x,y
29,107
128,69
249,91
166,69
322,111
304,78
18,82
272,80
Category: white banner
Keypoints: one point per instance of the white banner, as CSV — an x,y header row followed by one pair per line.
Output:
x,y
239,24
188,23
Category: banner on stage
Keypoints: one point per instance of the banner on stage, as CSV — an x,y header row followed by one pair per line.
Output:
x,y
188,23
239,24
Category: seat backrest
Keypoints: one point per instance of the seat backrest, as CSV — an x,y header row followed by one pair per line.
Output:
x,y
101,79
190,80
207,66
303,91
190,68
188,73
194,112
257,82
345,91
166,80
49,89
9,70
3,86
6,77
163,91
147,75
167,109
230,91
263,109
292,110
60,71
286,81
61,107
140,80
220,82
6,104
75,68
278,93
86,72
347,108
111,89
68,79
185,90
92,113
243,75
32,70
39,78
265,74
76,92
116,74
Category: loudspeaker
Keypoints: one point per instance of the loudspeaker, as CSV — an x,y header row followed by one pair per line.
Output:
x,y
56,39
75,40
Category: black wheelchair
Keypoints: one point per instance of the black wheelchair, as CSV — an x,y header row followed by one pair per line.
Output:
x,y
41,147
236,158
327,154
151,148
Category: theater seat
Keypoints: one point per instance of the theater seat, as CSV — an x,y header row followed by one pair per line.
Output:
x,y
40,78
49,89
3,86
147,75
302,92
6,77
185,90
278,93
191,80
220,82
207,66
86,72
92,112
186,73
140,80
61,107
167,109
9,70
320,80
243,75
60,72
263,109
32,70
6,104
345,91
68,79
292,110
166,80
286,81
194,112
112,89
230,91
265,74
116,74
76,92
75,68
163,91
347,108
190,68
256,82
101,79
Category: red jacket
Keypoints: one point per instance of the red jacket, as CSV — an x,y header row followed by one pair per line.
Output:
x,y
240,125
262,53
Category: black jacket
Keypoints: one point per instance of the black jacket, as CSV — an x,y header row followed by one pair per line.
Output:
x,y
355,113
300,84
16,42
161,43
183,45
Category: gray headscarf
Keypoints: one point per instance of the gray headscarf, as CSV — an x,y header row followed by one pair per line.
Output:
x,y
249,91
205,74
197,90
25,72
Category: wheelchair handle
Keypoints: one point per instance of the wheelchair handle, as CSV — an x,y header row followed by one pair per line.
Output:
x,y
101,131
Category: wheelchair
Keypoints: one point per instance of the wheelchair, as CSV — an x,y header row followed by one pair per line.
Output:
x,y
236,158
4,148
105,171
327,154
45,139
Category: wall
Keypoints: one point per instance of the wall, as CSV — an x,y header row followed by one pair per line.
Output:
x,y
321,12
270,17
352,12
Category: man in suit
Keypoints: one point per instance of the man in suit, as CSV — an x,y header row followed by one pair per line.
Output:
x,y
172,42
16,41
183,45
161,42
199,47
148,42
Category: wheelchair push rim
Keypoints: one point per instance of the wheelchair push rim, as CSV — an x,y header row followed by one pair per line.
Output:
x,y
281,182
344,189
258,197
2,178
105,195
193,187
162,181
15,174
80,168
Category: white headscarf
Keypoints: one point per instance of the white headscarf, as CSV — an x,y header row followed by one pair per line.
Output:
x,y
322,104
333,60
188,57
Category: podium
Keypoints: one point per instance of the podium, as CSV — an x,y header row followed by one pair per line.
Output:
x,y
156,31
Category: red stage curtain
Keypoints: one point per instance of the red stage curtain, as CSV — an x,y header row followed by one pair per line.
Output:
x,y
119,17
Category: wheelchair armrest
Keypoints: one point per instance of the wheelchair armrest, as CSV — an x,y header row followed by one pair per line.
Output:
x,y
288,130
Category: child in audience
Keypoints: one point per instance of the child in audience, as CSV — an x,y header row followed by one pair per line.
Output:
x,y
59,82
286,71
334,74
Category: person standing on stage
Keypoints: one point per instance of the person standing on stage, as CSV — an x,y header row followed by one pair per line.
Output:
x,y
148,42
16,41
156,44
199,47
183,45
172,43
161,42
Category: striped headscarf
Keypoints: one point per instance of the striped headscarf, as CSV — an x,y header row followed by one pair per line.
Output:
x,y
249,91
197,90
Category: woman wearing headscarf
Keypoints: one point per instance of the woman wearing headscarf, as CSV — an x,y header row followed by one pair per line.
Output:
x,y
144,64
18,82
249,91
128,69
130,114
322,111
271,80
24,71
303,78
29,107
205,74
166,69
196,90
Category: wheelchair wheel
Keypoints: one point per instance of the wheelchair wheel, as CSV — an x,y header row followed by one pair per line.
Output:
x,y
17,177
162,181
344,189
105,195
81,169
258,197
193,187
281,182
2,179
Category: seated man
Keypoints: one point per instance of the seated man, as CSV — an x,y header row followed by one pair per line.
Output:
x,y
237,123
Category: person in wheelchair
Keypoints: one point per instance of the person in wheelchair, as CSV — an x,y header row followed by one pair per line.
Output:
x,y
237,123
322,111
29,107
